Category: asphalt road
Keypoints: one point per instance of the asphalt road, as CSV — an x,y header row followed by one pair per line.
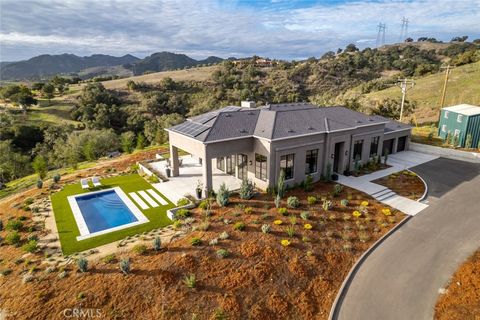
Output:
x,y
402,277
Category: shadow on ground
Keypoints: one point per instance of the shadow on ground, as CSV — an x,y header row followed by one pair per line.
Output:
x,y
443,175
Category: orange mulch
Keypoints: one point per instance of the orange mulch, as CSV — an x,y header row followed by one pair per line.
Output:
x,y
260,279
405,183
461,301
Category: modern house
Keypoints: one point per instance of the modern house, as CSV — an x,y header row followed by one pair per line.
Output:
x,y
300,138
460,121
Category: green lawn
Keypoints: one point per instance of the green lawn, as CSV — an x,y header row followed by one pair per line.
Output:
x,y
67,226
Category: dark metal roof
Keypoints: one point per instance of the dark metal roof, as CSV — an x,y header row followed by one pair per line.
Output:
x,y
278,121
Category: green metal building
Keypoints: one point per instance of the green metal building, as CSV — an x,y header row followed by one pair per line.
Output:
x,y
460,121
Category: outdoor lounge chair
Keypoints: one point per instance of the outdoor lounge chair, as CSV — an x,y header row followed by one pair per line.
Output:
x,y
96,181
84,183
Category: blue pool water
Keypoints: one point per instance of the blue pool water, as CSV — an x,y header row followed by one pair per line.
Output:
x,y
104,210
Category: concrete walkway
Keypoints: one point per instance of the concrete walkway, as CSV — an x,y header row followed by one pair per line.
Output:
x,y
401,279
398,162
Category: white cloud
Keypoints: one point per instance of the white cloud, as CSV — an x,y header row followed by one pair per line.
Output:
x,y
217,28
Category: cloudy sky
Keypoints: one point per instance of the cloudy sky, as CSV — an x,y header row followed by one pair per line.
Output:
x,y
278,28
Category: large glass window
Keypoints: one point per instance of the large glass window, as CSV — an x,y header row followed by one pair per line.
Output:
x,y
311,161
230,165
242,166
374,146
357,149
260,167
286,164
221,164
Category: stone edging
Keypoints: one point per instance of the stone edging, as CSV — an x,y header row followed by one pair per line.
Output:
x,y
424,195
333,315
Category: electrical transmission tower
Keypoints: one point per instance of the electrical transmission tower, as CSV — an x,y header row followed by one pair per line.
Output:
x,y
404,30
404,84
381,34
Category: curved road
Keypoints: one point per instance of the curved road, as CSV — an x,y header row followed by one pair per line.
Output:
x,y
402,277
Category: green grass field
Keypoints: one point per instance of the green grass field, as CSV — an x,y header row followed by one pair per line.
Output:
x,y
67,226
463,87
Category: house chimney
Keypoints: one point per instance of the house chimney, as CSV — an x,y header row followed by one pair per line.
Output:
x,y
248,104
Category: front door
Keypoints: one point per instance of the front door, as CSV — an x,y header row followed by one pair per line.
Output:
x,y
230,166
402,142
337,155
242,166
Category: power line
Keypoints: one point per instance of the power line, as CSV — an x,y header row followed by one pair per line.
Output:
x,y
381,34
404,30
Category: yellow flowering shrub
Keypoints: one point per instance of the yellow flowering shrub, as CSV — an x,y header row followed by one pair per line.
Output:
x,y
308,226
364,204
356,214
285,242
386,212
278,222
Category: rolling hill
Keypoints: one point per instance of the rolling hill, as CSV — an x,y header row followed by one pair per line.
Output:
x,y
48,65
463,87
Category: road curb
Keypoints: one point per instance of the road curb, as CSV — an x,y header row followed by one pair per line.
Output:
x,y
424,195
333,315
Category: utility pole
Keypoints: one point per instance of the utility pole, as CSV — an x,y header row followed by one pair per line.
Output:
x,y
381,34
403,31
404,84
448,68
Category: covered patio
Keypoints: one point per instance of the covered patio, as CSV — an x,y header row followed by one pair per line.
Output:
x,y
190,173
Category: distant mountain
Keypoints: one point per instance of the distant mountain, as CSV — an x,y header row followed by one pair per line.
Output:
x,y
164,61
47,65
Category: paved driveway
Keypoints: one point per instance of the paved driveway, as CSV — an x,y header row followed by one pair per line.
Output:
x,y
402,277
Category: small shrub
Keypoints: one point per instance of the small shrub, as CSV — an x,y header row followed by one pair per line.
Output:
x,y
177,224
56,178
204,226
327,205
337,189
139,249
307,226
240,226
344,202
39,184
183,213
5,272
305,215
195,241
293,202
311,200
308,184
347,217
329,234
81,296
332,217
213,242
363,236
290,231
125,266
183,202
283,211
14,225
248,210
246,189
204,205
347,246
153,179
190,281
224,235
13,238
293,220
306,239
110,258
30,246
281,187
222,253
223,195
266,228
157,243
346,236
82,264
278,201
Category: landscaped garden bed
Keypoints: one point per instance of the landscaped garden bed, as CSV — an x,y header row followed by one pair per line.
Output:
x,y
248,259
461,299
405,183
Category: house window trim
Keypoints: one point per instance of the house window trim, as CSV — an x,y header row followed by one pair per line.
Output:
x,y
360,141
257,163
376,144
287,156
307,164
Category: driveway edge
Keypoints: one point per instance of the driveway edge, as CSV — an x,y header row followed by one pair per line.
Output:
x,y
351,274
424,183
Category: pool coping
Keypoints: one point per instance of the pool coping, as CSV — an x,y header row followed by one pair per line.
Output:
x,y
82,225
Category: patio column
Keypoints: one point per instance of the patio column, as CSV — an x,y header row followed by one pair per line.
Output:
x,y
207,174
174,161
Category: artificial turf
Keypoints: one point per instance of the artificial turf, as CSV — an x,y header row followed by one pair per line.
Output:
x,y
67,226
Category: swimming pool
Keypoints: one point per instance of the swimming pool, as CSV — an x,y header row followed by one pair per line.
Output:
x,y
104,211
